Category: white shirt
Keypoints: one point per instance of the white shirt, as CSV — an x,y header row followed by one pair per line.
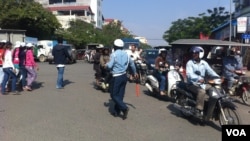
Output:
x,y
7,62
134,55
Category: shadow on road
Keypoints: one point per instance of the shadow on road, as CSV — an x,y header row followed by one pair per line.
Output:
x,y
37,85
110,104
159,97
67,82
191,119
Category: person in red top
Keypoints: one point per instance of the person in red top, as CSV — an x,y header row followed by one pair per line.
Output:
x,y
15,56
2,49
30,66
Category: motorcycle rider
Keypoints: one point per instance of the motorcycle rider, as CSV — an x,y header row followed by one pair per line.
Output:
x,y
230,66
104,59
196,71
96,64
135,55
160,74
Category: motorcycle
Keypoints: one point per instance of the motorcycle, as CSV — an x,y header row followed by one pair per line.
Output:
x,y
173,76
141,69
88,56
217,106
241,87
103,83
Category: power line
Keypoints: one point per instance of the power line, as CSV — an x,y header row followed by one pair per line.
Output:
x,y
155,39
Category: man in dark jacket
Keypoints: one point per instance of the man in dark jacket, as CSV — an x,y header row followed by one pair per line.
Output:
x,y
60,54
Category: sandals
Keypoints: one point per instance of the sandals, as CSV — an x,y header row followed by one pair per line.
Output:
x,y
27,88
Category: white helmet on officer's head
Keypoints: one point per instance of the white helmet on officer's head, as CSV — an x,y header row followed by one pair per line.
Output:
x,y
162,50
118,43
198,49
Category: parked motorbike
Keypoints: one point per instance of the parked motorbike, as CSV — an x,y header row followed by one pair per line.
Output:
x,y
241,87
217,106
173,77
88,57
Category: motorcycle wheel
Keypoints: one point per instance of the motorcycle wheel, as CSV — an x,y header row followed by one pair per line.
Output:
x,y
143,79
245,97
231,115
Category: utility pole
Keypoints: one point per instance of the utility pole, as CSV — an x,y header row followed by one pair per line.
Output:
x,y
230,22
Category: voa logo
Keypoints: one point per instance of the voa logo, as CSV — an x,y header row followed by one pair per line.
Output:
x,y
236,132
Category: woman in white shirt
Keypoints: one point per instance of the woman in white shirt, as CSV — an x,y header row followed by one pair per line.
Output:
x,y
8,69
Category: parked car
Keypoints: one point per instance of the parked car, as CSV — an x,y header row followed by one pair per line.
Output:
x,y
72,52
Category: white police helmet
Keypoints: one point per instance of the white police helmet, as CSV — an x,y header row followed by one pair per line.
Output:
x,y
198,49
118,43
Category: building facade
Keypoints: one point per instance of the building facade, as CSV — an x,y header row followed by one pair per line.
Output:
x,y
68,10
240,23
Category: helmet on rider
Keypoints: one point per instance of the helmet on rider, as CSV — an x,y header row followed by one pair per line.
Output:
x,y
232,51
198,49
162,50
99,47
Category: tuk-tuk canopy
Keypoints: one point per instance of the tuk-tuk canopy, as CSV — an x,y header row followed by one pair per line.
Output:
x,y
211,42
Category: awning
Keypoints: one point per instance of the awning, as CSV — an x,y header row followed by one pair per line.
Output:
x,y
210,42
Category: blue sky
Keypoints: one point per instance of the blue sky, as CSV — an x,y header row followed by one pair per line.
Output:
x,y
151,18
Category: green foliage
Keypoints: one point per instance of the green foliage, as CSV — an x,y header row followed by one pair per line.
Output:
x,y
81,33
38,22
28,15
192,26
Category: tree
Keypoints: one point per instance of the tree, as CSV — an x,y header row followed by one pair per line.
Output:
x,y
28,15
191,27
112,31
81,33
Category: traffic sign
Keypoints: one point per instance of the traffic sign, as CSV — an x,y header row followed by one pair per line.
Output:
x,y
245,36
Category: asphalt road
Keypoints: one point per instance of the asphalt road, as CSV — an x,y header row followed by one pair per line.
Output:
x,y
81,113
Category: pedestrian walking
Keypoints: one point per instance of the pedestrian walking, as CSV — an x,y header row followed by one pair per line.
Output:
x,y
118,64
60,54
30,66
23,71
9,70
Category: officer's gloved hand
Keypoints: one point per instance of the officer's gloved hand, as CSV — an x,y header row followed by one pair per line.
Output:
x,y
197,72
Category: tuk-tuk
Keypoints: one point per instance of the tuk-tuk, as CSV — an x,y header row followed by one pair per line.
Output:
x,y
215,50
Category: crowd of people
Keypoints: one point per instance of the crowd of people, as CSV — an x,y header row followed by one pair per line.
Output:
x,y
17,66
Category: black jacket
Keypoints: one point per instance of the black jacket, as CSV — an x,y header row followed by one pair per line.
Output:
x,y
60,54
